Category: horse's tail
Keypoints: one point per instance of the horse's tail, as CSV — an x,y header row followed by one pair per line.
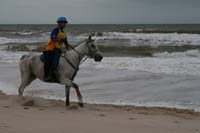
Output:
x,y
24,56
23,64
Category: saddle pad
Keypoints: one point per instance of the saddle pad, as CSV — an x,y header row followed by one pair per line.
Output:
x,y
42,57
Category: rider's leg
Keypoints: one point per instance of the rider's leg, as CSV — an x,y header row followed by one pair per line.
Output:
x,y
48,57
56,59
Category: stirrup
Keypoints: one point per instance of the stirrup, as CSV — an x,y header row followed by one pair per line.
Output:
x,y
47,79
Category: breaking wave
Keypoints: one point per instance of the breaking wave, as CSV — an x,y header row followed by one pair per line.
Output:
x,y
150,39
189,53
186,63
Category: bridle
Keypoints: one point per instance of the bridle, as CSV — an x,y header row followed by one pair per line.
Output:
x,y
89,54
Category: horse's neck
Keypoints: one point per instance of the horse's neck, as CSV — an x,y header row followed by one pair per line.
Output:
x,y
75,57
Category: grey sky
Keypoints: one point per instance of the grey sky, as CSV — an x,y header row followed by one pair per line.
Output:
x,y
100,11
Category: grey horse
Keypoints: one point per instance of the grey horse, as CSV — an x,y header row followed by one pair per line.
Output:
x,y
31,68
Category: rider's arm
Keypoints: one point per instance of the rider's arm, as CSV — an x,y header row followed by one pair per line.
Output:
x,y
54,34
65,41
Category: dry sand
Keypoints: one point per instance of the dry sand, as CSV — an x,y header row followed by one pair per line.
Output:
x,y
51,116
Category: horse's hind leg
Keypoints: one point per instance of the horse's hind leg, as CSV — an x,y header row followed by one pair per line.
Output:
x,y
21,88
24,83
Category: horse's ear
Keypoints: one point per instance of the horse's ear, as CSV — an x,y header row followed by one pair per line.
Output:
x,y
90,38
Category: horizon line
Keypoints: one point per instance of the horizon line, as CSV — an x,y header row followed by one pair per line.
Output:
x,y
103,24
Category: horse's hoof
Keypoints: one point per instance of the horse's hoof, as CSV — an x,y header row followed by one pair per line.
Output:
x,y
81,104
28,103
21,99
67,104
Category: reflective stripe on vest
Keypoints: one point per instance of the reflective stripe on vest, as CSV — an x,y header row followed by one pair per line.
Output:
x,y
56,44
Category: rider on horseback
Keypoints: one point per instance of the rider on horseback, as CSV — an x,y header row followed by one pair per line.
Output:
x,y
53,51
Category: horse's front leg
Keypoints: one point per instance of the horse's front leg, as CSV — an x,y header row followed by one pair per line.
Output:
x,y
67,92
69,83
80,99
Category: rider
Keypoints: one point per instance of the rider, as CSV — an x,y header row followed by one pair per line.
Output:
x,y
53,51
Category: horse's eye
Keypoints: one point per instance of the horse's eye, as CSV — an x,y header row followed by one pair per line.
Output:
x,y
93,46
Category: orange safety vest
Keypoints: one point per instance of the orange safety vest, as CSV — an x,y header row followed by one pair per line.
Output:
x,y
56,44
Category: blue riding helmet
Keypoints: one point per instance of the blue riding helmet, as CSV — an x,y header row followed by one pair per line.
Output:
x,y
61,20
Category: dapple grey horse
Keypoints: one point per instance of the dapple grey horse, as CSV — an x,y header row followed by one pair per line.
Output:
x,y
31,68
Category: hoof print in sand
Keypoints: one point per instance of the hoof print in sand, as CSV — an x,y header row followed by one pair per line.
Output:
x,y
102,115
73,107
28,103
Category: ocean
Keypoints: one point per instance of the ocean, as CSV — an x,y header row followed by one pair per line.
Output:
x,y
143,65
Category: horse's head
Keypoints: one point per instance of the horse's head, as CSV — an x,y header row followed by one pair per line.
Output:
x,y
92,50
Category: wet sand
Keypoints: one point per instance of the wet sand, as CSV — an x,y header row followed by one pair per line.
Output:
x,y
51,116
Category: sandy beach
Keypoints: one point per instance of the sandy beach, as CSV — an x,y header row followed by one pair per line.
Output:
x,y
51,116
136,65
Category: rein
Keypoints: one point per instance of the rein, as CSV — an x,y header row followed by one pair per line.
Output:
x,y
73,48
76,69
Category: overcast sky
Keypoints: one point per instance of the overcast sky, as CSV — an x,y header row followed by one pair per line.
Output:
x,y
100,11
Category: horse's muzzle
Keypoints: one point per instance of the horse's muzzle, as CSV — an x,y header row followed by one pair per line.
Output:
x,y
98,57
